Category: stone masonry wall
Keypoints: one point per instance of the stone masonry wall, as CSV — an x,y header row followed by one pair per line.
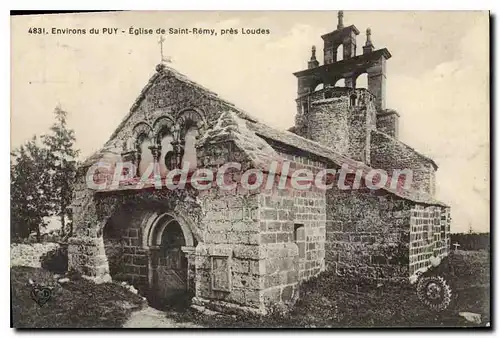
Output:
x,y
231,240
429,236
388,153
388,123
86,253
367,234
310,211
339,118
359,134
292,225
127,259
251,258
228,259
328,123
281,263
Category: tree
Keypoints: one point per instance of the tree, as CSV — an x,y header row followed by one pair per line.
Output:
x,y
63,163
29,182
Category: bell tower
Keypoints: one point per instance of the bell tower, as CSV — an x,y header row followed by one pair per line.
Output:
x,y
341,117
342,36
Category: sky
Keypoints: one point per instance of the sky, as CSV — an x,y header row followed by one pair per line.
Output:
x,y
437,78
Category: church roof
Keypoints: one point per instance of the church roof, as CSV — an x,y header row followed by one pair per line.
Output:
x,y
383,135
315,148
109,151
164,70
161,70
231,125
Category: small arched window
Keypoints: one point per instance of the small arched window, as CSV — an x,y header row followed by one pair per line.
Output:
x,y
188,127
189,157
299,237
353,98
146,157
166,149
305,108
169,160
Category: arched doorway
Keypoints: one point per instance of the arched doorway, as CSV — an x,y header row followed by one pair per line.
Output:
x,y
169,264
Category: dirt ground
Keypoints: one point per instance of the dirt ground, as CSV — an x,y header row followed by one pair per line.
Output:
x,y
152,318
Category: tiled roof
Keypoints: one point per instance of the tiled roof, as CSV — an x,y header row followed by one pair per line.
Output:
x,y
252,145
314,148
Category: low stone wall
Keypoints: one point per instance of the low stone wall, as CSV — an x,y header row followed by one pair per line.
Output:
x,y
29,254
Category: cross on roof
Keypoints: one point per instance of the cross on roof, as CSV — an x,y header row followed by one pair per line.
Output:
x,y
163,58
456,245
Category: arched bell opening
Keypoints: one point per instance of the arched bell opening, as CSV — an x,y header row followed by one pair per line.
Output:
x,y
361,81
319,87
340,83
340,52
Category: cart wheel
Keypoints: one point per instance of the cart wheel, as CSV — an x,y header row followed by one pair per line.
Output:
x,y
434,292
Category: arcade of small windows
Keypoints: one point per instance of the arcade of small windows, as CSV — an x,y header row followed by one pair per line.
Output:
x,y
356,82
170,144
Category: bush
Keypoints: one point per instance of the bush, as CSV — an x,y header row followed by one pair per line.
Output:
x,y
473,241
55,260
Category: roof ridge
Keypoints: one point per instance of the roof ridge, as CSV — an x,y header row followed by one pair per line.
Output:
x,y
320,150
160,68
427,157
184,78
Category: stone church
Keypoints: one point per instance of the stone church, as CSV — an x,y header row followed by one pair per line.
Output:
x,y
247,251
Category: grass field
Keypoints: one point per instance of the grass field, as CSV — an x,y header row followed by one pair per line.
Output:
x,y
76,304
326,301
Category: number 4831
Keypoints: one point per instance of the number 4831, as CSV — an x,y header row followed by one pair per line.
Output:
x,y
35,30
